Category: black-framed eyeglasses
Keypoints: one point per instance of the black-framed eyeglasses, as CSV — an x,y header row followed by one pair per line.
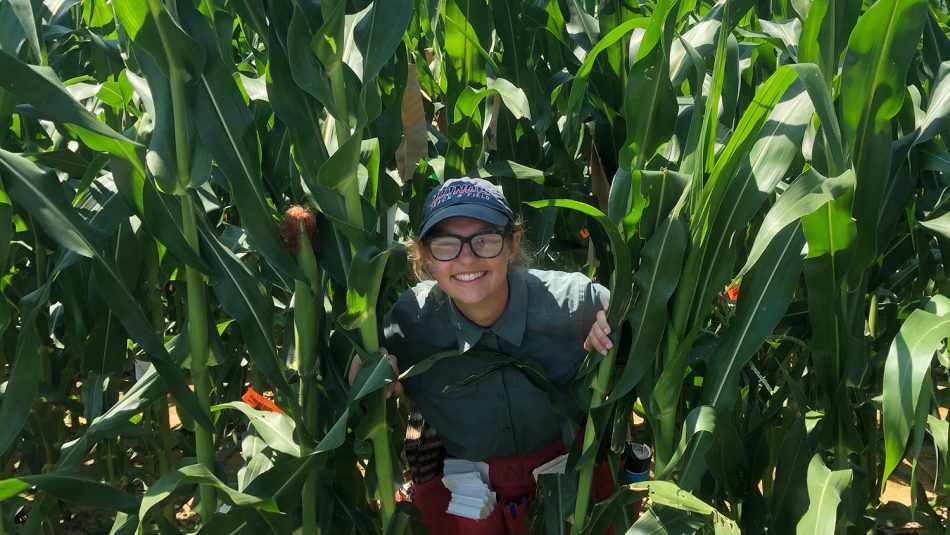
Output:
x,y
484,244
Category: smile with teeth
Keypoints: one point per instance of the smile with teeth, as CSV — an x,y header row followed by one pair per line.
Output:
x,y
467,277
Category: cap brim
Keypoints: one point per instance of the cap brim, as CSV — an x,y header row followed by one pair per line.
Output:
x,y
475,211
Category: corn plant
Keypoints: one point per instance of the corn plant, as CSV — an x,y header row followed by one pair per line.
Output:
x,y
791,152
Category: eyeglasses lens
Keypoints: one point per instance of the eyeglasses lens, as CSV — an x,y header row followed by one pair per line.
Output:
x,y
445,247
483,245
488,245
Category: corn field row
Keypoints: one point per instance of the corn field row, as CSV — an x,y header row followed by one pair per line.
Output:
x,y
792,152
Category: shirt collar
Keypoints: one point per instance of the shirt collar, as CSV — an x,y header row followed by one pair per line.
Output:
x,y
509,327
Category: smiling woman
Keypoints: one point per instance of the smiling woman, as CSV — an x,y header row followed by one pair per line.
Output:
x,y
481,300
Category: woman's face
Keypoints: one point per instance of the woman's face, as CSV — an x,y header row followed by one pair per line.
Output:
x,y
478,286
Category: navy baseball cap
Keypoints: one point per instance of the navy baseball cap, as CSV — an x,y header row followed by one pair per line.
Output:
x,y
465,197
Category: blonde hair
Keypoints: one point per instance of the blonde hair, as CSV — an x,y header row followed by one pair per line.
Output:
x,y
420,266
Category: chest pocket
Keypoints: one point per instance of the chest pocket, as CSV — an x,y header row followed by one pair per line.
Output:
x,y
517,381
452,389
445,378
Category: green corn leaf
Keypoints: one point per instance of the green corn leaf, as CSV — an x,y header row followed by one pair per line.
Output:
x,y
789,498
660,263
757,156
340,175
198,474
71,488
41,87
7,103
160,213
327,44
246,520
513,98
731,83
700,422
650,107
340,171
36,190
23,10
692,162
7,232
936,44
379,32
662,189
908,360
426,364
287,97
663,521
820,96
510,23
939,226
369,160
933,158
12,35
830,232
304,66
938,108
161,158
149,26
25,372
257,465
581,26
673,510
119,298
823,35
770,125
579,85
824,493
376,373
148,389
558,495
809,192
227,131
363,286
105,349
707,142
763,299
623,205
939,431
240,295
879,52
786,32
467,33
276,429
657,30
669,494
467,30
509,169
701,38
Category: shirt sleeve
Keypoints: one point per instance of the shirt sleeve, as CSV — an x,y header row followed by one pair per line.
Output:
x,y
407,329
397,330
595,297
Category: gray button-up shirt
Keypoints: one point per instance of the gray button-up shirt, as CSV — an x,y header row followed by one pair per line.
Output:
x,y
547,318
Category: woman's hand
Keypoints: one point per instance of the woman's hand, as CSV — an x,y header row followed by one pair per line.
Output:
x,y
599,336
392,388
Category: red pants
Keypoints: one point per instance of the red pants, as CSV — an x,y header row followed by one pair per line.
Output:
x,y
514,486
